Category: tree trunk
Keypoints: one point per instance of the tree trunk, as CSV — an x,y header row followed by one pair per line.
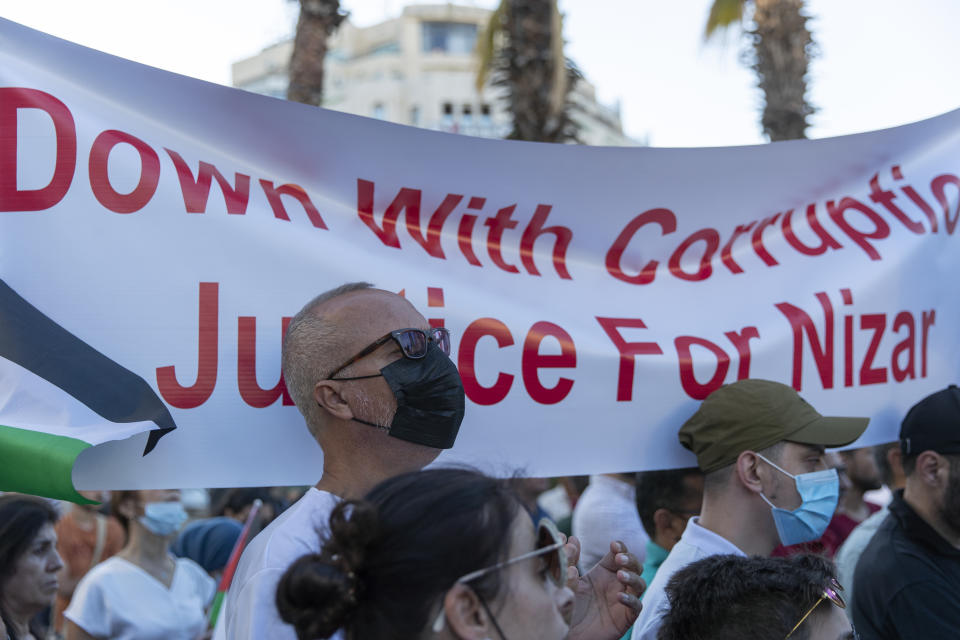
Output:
x,y
783,45
527,66
318,20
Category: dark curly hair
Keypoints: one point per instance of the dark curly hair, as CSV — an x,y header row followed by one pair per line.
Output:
x,y
729,597
389,558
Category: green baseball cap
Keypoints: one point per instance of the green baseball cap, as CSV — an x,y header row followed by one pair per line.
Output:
x,y
756,414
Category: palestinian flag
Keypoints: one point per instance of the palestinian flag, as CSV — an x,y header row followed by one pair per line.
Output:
x,y
59,396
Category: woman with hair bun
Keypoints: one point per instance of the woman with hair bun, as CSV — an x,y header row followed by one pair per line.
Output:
x,y
449,554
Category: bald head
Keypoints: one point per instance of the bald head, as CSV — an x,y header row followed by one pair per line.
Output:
x,y
333,327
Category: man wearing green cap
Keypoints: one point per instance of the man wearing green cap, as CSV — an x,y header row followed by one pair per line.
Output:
x,y
760,446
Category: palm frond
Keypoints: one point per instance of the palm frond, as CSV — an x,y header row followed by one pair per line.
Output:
x,y
723,13
486,45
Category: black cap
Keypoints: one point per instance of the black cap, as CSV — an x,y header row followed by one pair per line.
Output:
x,y
933,424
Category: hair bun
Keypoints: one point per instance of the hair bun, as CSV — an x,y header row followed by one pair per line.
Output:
x,y
319,593
353,526
316,597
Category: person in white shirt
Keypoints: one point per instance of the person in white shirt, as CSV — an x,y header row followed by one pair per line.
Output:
x,y
143,592
345,355
761,448
381,397
607,511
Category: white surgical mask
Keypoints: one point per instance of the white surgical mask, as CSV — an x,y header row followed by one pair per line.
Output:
x,y
163,518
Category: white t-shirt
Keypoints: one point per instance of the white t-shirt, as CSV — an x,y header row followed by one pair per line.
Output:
x,y
607,511
251,611
848,555
695,544
119,600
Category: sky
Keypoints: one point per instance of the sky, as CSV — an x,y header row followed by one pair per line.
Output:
x,y
880,63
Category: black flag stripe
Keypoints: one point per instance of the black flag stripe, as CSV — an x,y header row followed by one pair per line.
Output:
x,y
37,343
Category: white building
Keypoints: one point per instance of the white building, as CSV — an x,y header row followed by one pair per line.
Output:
x,y
419,69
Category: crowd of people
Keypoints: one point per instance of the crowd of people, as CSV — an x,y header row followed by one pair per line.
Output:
x,y
765,538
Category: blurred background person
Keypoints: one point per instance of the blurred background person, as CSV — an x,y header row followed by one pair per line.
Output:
x,y
29,564
890,467
196,502
208,542
85,537
863,476
529,490
236,504
729,597
143,592
666,500
607,511
560,500
443,553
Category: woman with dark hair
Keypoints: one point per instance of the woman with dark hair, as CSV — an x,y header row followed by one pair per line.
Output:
x,y
143,592
729,597
442,553
29,563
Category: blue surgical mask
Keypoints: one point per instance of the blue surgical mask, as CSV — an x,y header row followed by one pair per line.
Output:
x,y
819,492
163,518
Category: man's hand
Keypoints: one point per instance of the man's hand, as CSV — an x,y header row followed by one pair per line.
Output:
x,y
607,598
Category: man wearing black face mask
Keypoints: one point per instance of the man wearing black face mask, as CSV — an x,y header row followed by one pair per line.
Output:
x,y
381,397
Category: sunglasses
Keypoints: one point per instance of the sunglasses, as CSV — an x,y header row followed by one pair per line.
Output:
x,y
549,544
832,592
412,342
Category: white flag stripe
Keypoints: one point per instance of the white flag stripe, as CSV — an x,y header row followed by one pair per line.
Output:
x,y
27,401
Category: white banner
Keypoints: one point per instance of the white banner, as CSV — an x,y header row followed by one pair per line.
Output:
x,y
594,294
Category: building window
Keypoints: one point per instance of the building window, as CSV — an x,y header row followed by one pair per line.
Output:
x,y
446,121
485,119
449,37
415,116
379,111
467,115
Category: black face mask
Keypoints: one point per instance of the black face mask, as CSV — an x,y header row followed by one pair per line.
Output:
x,y
430,399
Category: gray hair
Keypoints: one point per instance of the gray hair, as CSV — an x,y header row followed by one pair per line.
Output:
x,y
309,346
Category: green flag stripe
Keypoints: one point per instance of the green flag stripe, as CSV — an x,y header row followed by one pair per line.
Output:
x,y
39,463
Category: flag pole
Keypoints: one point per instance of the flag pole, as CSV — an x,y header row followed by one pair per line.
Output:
x,y
231,567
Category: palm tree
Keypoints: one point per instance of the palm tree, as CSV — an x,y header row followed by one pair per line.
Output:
x,y
782,48
522,48
318,20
